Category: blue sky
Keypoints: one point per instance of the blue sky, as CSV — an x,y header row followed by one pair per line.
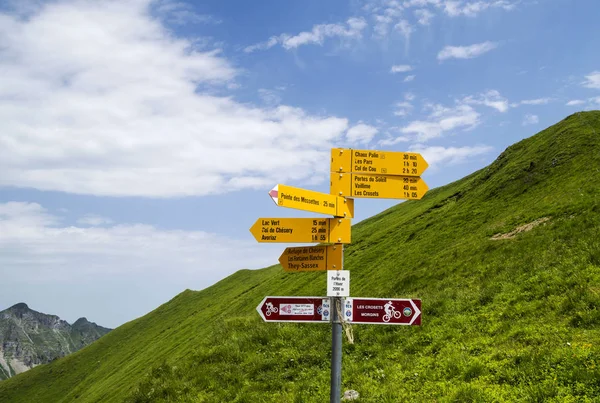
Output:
x,y
139,139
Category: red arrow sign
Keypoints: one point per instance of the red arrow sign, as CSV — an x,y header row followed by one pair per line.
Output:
x,y
383,311
295,309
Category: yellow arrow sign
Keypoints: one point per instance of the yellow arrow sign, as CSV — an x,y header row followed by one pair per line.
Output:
x,y
292,230
378,186
312,258
308,200
377,162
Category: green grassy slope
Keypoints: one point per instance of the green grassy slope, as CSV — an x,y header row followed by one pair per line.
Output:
x,y
504,320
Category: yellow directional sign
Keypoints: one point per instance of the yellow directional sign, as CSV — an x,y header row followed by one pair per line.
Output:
x,y
308,200
312,258
377,162
378,186
292,230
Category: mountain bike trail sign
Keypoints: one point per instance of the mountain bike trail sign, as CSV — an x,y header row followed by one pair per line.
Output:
x,y
295,309
383,311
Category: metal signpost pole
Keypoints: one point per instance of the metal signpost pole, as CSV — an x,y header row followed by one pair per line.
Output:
x,y
336,345
336,350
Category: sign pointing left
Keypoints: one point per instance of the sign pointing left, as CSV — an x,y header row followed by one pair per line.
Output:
x,y
312,258
295,309
291,230
308,200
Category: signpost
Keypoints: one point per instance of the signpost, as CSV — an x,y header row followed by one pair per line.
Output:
x,y
308,200
377,162
312,258
354,173
382,311
292,230
378,186
295,309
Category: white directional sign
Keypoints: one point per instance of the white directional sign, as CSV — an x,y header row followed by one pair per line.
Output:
x,y
338,283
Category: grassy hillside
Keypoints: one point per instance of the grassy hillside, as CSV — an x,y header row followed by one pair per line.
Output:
x,y
509,319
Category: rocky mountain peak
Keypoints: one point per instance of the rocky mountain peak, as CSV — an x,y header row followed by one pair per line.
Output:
x,y
82,320
29,338
19,309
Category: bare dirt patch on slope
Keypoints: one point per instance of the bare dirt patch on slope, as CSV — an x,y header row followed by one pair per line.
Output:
x,y
522,228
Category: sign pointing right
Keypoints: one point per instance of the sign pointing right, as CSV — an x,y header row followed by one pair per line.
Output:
x,y
383,311
377,162
378,186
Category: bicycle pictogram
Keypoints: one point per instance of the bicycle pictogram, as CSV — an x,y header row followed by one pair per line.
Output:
x,y
390,312
270,309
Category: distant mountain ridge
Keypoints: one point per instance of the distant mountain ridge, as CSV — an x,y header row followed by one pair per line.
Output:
x,y
29,338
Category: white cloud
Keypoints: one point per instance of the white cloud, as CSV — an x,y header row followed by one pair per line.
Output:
x,y
466,52
351,30
400,68
361,133
123,108
405,29
422,3
385,12
37,251
269,97
403,68
268,44
441,120
384,16
424,16
318,34
94,220
590,103
180,13
382,25
530,120
455,8
390,141
592,80
437,155
402,108
491,98
538,101
17,217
